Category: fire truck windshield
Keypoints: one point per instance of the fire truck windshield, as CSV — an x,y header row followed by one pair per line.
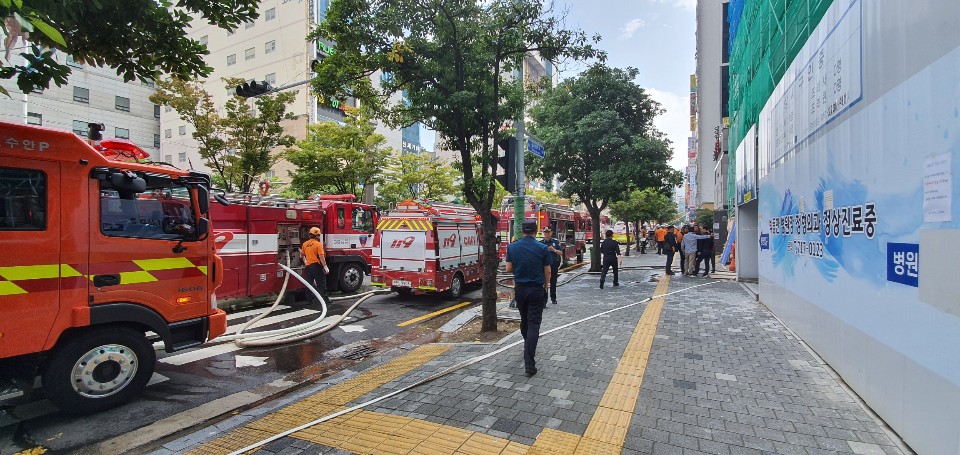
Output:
x,y
164,211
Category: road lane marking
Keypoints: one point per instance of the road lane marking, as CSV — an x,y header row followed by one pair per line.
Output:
x,y
434,314
253,312
272,320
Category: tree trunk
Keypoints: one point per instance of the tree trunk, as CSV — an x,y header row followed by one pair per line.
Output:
x,y
488,300
595,252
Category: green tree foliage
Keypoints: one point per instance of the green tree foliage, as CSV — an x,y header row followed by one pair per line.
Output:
x,y
339,159
416,176
646,205
600,140
543,195
452,59
704,217
237,144
140,38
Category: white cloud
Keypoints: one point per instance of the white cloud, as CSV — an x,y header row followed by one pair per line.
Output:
x,y
675,123
631,27
689,5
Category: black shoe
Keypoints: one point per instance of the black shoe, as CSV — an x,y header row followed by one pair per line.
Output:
x,y
670,273
601,285
531,371
616,284
554,302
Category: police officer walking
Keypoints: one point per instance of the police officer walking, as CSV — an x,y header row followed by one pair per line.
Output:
x,y
316,263
610,250
556,250
530,262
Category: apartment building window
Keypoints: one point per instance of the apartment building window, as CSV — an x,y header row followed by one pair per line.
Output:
x,y
270,174
203,40
72,62
269,47
270,78
270,14
182,157
81,95
156,111
231,59
80,127
249,25
148,83
167,109
182,130
122,103
167,133
156,141
167,158
34,118
121,133
249,54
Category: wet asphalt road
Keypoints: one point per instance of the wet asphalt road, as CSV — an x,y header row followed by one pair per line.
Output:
x,y
187,379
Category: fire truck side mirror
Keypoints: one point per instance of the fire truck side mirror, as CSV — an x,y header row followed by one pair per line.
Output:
x,y
128,182
203,229
203,198
221,199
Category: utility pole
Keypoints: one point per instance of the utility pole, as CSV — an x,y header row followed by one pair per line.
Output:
x,y
519,201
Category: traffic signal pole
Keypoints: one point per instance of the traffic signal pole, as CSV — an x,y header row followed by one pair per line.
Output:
x,y
519,201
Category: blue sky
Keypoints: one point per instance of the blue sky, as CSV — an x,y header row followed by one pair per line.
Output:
x,y
655,36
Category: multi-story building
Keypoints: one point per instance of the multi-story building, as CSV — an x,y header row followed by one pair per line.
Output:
x,y
91,95
271,48
844,143
709,98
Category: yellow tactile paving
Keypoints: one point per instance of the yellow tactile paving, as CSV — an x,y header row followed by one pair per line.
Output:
x,y
608,427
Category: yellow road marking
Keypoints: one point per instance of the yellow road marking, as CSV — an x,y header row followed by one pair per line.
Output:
x,y
434,314
608,427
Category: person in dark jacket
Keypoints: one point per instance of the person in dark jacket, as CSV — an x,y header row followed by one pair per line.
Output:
x,y
556,250
705,249
610,250
670,247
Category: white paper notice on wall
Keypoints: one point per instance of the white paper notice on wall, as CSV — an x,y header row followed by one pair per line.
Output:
x,y
937,189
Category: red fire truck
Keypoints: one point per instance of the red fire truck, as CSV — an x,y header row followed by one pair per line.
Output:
x,y
99,250
255,233
420,248
562,220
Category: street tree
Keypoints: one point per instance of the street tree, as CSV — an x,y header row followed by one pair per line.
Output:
x,y
543,195
340,159
704,218
236,141
642,206
142,39
416,176
598,130
452,59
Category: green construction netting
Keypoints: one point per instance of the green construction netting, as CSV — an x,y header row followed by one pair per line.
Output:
x,y
766,36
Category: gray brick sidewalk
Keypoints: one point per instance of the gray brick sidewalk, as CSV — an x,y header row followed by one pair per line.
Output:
x,y
723,377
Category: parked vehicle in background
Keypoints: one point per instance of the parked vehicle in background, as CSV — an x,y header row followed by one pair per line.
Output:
x,y
561,219
427,248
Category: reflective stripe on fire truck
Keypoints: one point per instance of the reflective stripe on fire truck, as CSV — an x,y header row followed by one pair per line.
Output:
x,y
405,223
46,277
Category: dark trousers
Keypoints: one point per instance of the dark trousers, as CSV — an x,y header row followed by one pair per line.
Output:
x,y
643,246
660,248
531,299
669,266
554,271
709,262
683,268
605,267
317,279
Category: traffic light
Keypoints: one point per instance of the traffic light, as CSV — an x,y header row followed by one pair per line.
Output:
x,y
253,88
508,162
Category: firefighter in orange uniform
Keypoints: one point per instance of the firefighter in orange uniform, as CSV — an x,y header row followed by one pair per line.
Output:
x,y
316,263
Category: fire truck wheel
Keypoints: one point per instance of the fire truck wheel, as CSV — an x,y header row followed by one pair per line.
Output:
x,y
456,286
351,277
98,370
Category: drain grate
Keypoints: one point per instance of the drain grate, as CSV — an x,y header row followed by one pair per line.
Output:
x,y
358,353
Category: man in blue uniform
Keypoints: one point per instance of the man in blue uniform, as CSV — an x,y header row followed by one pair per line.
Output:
x,y
553,245
529,260
610,252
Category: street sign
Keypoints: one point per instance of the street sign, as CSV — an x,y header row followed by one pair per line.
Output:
x,y
535,147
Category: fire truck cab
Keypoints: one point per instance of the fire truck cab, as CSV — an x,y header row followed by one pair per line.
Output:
x,y
99,252
256,233
432,248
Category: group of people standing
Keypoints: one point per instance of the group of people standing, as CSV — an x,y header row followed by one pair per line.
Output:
x,y
695,245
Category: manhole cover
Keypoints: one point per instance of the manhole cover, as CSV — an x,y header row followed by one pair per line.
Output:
x,y
359,353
